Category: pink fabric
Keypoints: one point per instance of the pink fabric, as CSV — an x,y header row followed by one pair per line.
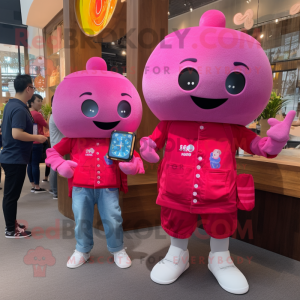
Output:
x,y
197,173
135,166
214,50
63,167
278,135
245,191
181,224
107,89
147,150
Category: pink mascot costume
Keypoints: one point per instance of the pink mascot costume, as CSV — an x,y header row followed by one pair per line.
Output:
x,y
87,107
205,84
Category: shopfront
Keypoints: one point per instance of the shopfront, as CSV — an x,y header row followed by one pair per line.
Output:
x,y
13,51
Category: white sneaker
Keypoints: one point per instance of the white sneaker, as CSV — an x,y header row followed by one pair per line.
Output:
x,y
122,260
77,259
171,267
230,278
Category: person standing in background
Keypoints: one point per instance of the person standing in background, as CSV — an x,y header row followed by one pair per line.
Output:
x,y
17,138
0,150
55,137
33,170
46,145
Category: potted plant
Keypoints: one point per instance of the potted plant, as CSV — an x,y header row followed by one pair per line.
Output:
x,y
46,110
276,103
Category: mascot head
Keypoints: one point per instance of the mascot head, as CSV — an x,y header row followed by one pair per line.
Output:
x,y
94,102
209,74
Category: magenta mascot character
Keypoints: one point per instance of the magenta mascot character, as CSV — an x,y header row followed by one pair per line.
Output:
x,y
88,105
205,84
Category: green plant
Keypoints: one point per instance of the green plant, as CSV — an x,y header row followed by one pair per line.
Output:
x,y
46,110
276,103
2,110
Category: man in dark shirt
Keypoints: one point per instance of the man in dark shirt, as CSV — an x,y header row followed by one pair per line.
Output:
x,y
17,139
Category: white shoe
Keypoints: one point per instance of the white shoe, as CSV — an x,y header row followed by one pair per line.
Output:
x,y
77,259
230,278
122,260
171,267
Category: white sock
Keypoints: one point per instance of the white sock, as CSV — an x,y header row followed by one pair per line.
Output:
x,y
179,243
219,245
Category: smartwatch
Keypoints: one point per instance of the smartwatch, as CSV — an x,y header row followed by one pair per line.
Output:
x,y
121,146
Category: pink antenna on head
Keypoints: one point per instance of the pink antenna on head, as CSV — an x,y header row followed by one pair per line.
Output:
x,y
96,63
213,18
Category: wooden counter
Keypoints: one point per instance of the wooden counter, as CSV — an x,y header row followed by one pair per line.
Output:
x,y
274,223
279,175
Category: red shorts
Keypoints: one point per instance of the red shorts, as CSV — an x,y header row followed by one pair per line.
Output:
x,y
180,224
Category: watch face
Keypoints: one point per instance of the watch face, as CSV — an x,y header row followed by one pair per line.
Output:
x,y
120,146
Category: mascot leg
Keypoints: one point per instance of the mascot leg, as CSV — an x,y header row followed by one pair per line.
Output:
x,y
83,209
174,264
230,278
179,226
110,213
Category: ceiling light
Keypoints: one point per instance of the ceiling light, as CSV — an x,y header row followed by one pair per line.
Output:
x,y
123,52
276,21
191,9
261,36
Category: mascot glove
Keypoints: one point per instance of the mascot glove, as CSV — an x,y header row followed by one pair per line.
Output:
x,y
135,166
278,135
63,167
147,150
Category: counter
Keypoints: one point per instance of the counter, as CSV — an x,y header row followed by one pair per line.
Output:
x,y
274,223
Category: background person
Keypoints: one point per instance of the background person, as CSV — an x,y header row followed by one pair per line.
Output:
x,y
17,138
46,146
55,137
33,169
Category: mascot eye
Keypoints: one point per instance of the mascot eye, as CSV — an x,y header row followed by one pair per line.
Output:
x,y
235,83
124,109
89,108
188,79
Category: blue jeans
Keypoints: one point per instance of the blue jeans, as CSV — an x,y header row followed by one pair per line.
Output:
x,y
107,200
33,169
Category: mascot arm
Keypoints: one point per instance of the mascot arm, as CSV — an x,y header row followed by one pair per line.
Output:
x,y
55,158
135,166
278,135
149,145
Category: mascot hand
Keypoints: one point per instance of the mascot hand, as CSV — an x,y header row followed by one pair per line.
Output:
x,y
147,150
133,167
66,169
278,134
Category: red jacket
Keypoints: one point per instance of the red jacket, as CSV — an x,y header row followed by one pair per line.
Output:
x,y
40,121
94,170
198,171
